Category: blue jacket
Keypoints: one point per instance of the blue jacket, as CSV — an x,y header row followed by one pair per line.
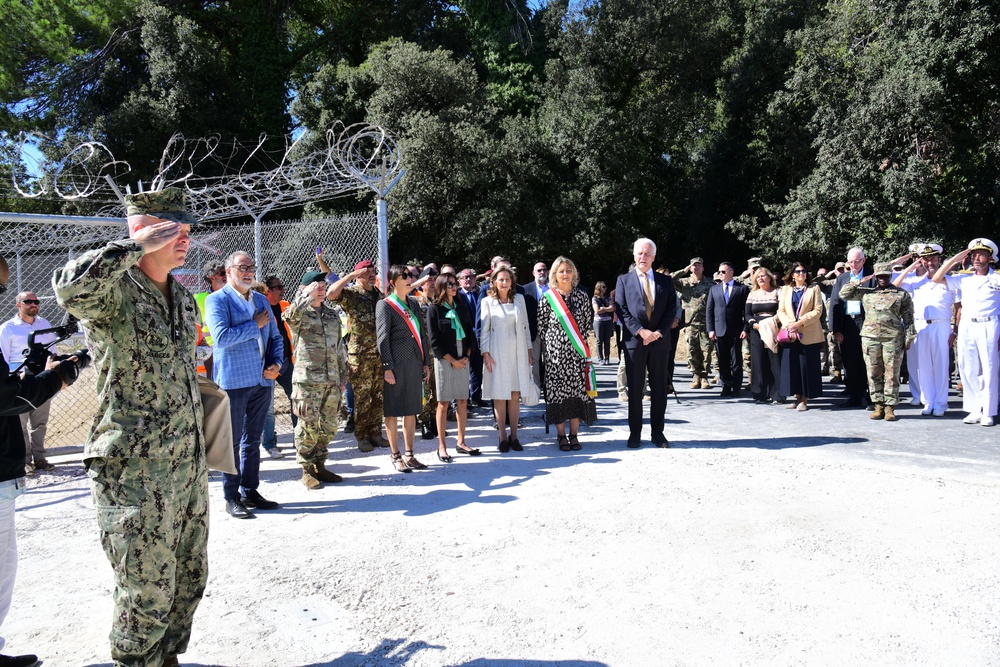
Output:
x,y
237,362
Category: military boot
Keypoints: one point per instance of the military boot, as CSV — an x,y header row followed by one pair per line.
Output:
x,y
879,412
696,381
365,444
705,384
324,475
890,413
309,477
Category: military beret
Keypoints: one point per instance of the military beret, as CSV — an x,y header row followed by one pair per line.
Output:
x,y
166,204
310,277
363,264
882,269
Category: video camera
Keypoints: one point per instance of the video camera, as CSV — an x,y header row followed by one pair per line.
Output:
x,y
39,353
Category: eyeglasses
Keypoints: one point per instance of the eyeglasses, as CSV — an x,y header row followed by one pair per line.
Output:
x,y
31,302
799,271
245,268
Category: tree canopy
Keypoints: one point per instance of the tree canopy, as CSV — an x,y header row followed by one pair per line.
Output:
x,y
784,128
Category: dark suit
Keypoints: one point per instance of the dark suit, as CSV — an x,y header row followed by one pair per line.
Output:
x,y
471,300
646,360
725,319
855,373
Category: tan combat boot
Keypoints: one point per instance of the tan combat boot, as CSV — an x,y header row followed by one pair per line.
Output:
x,y
309,477
890,413
696,381
879,412
705,384
324,475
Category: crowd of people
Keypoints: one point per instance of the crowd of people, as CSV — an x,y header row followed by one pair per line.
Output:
x,y
186,382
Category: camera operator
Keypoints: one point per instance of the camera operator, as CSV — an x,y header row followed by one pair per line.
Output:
x,y
18,396
14,346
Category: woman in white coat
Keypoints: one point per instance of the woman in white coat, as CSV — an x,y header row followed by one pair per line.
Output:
x,y
506,348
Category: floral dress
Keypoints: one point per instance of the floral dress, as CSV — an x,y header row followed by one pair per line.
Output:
x,y
565,370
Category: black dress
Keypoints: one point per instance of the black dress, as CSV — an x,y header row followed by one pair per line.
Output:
x,y
801,374
765,366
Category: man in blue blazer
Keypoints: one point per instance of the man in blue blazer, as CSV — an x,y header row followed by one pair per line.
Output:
x,y
647,307
248,354
726,327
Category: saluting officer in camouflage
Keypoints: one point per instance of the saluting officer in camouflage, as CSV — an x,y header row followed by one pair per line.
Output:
x,y
358,301
319,378
835,361
145,454
888,331
693,286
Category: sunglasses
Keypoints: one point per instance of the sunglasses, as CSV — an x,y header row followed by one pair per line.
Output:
x,y
275,287
799,271
452,285
31,302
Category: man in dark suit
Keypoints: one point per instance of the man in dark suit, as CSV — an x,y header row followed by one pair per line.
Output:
x,y
846,319
725,325
647,307
469,293
533,292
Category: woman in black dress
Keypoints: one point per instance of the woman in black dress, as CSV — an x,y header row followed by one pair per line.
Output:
x,y
765,364
404,349
604,310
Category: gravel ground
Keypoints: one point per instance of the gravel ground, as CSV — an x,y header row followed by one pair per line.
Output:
x,y
761,537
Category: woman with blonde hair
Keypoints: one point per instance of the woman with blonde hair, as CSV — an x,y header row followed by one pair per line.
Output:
x,y
506,349
570,384
765,367
800,306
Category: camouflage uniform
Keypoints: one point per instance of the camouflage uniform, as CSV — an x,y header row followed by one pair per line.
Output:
x,y
833,364
320,370
145,454
694,297
887,330
363,361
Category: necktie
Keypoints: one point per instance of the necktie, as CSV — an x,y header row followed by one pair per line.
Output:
x,y
726,291
648,289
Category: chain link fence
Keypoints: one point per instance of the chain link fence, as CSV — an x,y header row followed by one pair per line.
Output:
x,y
35,250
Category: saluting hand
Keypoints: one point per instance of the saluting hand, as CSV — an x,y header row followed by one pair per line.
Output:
x,y
155,236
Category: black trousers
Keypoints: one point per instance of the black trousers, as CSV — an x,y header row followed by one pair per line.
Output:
x,y
647,361
855,373
730,351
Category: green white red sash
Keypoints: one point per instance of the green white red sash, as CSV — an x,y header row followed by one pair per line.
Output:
x,y
579,343
408,317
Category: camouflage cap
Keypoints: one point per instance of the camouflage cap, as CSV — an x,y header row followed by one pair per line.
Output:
x,y
840,265
882,269
697,260
166,204
754,262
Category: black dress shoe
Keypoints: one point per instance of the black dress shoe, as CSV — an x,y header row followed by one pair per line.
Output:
x,y
726,391
236,509
661,442
515,444
735,393
251,498
634,444
18,660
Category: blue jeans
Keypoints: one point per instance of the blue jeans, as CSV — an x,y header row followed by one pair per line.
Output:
x,y
285,380
247,409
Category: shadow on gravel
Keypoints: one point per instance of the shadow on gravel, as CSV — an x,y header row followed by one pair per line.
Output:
x,y
483,480
794,442
398,652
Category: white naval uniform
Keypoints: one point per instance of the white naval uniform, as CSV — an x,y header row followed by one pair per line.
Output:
x,y
978,334
927,358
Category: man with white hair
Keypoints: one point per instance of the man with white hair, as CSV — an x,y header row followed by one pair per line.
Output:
x,y
646,303
846,318
978,329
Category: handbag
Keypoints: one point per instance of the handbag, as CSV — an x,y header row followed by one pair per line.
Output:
x,y
531,394
785,336
218,427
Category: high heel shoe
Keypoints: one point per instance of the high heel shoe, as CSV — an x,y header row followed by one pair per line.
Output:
x,y
446,458
412,462
398,463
